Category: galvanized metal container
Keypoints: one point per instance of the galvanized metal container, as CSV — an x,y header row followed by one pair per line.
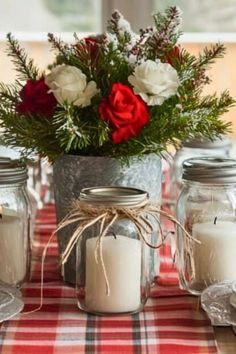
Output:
x,y
72,173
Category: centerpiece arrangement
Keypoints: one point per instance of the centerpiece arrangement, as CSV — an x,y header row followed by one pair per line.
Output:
x,y
118,94
108,99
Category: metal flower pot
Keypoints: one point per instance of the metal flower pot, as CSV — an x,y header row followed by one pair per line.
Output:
x,y
71,173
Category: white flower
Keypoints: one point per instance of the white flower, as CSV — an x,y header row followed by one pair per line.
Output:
x,y
85,98
111,38
134,38
69,84
179,106
179,14
123,25
131,59
154,81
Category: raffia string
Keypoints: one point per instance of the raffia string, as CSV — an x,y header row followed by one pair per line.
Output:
x,y
87,215
41,276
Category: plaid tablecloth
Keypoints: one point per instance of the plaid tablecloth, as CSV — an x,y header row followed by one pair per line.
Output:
x,y
171,322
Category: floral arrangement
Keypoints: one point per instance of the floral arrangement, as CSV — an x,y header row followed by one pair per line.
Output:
x,y
117,94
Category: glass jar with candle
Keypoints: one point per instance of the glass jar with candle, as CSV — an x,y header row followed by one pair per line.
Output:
x,y
207,209
14,223
121,262
194,148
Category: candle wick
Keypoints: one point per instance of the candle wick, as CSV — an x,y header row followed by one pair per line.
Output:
x,y
114,235
215,220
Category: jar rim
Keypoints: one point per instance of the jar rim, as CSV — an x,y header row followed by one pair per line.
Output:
x,y
12,171
203,143
113,196
216,170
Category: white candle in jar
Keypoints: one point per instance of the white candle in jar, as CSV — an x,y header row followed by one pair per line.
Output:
x,y
215,257
13,256
122,259
206,211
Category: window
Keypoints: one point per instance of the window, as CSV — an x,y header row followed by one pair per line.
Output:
x,y
50,15
204,15
31,20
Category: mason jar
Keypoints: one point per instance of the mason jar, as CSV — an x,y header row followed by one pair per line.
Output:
x,y
126,257
14,223
194,148
207,209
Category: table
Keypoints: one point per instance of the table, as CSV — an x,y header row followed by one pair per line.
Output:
x,y
171,322
226,340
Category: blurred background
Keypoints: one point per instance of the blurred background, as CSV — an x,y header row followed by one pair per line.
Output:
x,y
204,22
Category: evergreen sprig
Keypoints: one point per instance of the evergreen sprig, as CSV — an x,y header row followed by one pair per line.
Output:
x,y
62,48
166,33
69,130
167,24
9,94
30,134
25,68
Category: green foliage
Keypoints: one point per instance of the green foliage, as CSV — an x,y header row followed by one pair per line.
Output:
x,y
75,133
25,67
167,25
80,130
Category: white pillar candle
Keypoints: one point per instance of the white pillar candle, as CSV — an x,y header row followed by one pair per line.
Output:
x,y
215,257
13,256
122,259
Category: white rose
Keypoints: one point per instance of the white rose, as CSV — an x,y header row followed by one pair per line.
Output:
x,y
154,81
85,98
69,84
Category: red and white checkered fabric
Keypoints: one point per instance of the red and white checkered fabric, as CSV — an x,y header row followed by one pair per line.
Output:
x,y
170,324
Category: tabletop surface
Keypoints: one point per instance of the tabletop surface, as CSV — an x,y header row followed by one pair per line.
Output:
x,y
171,322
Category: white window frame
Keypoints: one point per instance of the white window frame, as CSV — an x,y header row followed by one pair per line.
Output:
x,y
133,10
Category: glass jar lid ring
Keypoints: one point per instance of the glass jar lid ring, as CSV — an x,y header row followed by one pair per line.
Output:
x,y
208,169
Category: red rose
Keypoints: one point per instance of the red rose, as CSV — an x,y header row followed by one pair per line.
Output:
x,y
174,55
36,99
91,45
126,112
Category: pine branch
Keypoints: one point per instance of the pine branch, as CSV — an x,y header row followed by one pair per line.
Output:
x,y
69,129
61,47
8,94
33,134
167,24
192,72
167,33
74,133
210,54
25,67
